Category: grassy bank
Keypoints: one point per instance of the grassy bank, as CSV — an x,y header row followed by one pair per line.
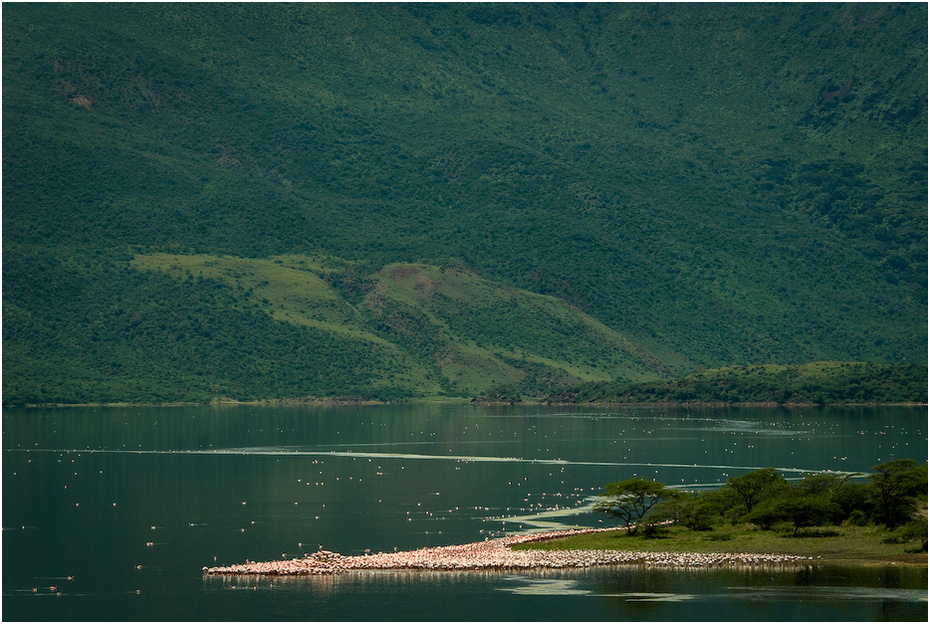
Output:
x,y
842,544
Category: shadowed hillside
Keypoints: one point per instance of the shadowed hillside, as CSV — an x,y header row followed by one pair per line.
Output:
x,y
608,191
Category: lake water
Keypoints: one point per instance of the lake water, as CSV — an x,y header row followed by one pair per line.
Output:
x,y
118,509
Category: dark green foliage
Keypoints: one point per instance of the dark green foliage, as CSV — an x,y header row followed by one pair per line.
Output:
x,y
694,512
808,510
818,383
916,531
721,184
766,515
755,487
895,489
892,496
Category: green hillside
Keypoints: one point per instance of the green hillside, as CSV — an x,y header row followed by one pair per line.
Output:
x,y
607,191
480,335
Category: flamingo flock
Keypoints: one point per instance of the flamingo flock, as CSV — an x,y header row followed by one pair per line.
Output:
x,y
495,555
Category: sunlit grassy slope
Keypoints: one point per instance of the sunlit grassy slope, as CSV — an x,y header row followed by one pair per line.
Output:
x,y
483,334
717,184
446,328
289,288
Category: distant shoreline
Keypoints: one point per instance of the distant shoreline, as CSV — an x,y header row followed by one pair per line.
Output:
x,y
342,401
699,404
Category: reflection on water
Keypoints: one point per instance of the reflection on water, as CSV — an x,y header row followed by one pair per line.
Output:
x,y
118,509
635,592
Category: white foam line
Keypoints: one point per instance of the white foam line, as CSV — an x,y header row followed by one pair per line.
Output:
x,y
732,422
544,519
412,456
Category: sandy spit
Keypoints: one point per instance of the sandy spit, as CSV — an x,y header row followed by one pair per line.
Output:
x,y
495,555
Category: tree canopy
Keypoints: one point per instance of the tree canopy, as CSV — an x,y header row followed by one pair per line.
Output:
x,y
892,496
632,499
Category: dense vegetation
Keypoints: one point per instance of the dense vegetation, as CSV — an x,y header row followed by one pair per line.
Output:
x,y
891,497
818,383
889,507
703,185
871,544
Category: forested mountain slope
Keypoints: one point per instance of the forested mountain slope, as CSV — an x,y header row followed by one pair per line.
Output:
x,y
714,184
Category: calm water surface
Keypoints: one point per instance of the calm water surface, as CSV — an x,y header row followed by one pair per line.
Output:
x,y
119,509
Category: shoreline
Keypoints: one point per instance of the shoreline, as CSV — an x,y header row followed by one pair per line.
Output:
x,y
344,401
497,555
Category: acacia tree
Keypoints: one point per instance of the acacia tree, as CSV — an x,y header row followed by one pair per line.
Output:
x,y
630,500
894,489
753,487
808,510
